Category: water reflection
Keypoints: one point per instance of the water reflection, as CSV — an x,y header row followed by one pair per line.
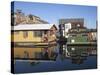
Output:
x,y
35,53
55,58
77,54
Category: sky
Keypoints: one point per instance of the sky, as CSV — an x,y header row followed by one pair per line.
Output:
x,y
53,12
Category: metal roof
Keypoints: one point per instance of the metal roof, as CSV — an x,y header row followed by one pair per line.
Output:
x,y
32,27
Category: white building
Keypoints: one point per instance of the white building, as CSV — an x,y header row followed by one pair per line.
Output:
x,y
67,27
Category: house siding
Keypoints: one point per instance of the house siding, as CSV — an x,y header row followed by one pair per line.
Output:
x,y
78,38
30,38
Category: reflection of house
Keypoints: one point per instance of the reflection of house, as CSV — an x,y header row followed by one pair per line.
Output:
x,y
78,54
19,18
36,53
35,33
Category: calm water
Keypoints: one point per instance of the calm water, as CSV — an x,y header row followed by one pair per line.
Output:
x,y
55,58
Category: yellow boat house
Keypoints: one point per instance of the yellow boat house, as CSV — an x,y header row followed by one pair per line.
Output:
x,y
33,33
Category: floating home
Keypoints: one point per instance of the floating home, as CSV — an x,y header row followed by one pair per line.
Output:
x,y
32,34
86,36
74,32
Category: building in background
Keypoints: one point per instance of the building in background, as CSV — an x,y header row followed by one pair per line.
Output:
x,y
75,32
92,35
75,22
19,17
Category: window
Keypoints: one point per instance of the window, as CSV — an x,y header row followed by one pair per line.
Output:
x,y
37,33
25,34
